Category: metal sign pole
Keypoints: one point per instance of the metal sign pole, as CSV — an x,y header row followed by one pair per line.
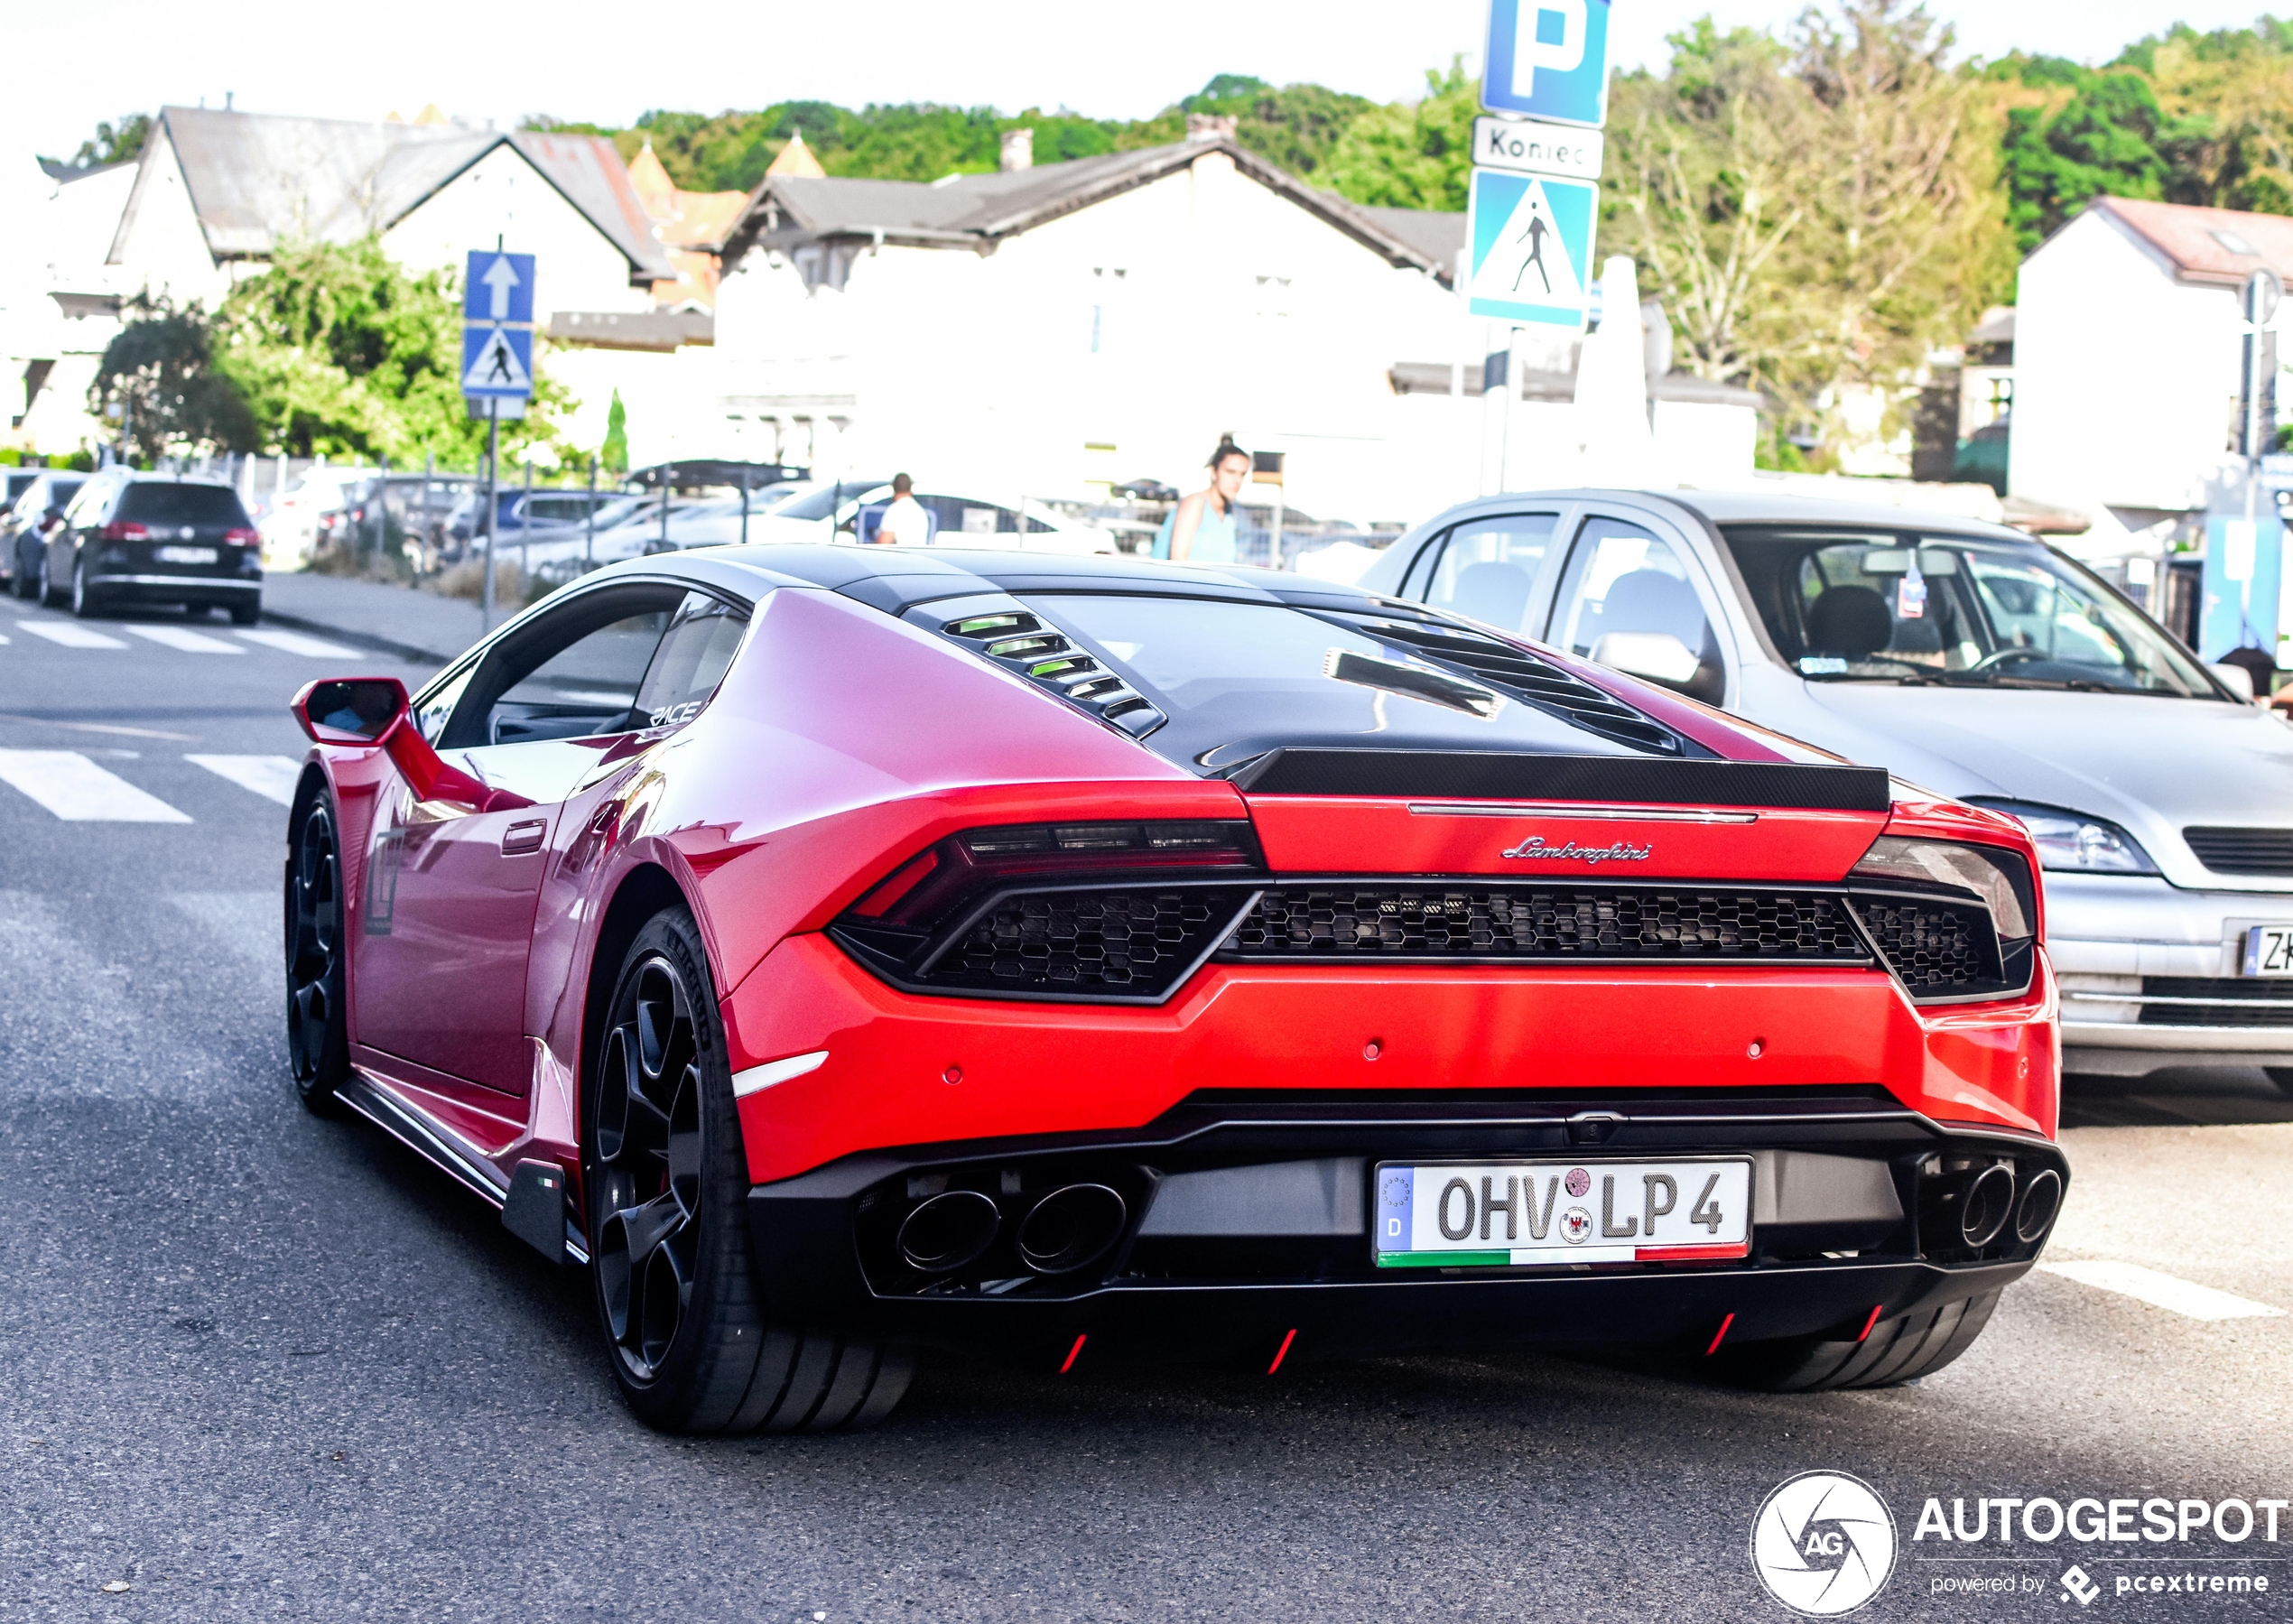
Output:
x,y
492,460
744,507
588,524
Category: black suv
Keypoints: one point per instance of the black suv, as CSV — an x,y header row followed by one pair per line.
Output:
x,y
132,538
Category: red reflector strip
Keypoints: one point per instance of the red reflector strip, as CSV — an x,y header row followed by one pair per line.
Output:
x,y
1864,1334
1716,1335
1690,1254
1282,1350
905,880
1071,1352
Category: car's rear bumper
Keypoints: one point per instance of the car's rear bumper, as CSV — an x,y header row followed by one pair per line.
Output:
x,y
209,590
1852,1214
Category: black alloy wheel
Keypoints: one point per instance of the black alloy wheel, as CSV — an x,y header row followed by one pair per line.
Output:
x,y
317,1036
666,1185
646,1197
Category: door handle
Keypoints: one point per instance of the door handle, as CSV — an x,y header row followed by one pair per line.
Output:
x,y
524,837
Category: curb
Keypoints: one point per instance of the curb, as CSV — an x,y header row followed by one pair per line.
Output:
x,y
383,646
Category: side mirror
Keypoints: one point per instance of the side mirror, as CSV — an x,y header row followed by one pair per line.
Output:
x,y
1658,655
350,710
2236,679
373,711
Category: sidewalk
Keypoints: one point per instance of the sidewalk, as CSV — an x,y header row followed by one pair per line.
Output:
x,y
420,626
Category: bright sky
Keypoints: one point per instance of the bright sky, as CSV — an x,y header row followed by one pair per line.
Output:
x,y
586,60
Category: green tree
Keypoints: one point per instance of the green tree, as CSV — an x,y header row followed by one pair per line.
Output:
x,y
2090,134
1410,155
115,143
156,381
615,454
338,349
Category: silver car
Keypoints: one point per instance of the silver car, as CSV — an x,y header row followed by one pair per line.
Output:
x,y
1967,659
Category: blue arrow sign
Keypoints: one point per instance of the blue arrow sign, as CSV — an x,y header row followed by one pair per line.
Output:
x,y
497,287
1531,247
1547,59
497,362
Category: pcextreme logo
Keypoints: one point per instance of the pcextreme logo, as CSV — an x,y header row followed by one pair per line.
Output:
x,y
1824,1543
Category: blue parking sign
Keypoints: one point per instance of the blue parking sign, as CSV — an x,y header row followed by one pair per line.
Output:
x,y
1547,59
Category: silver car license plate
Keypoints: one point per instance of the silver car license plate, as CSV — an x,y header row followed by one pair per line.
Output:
x,y
185,555
2269,951
1466,1215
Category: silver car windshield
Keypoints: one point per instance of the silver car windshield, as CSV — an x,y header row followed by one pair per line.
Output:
x,y
1880,607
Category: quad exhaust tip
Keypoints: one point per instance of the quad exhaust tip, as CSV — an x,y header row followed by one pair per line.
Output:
x,y
1988,1204
2041,1200
948,1231
1073,1225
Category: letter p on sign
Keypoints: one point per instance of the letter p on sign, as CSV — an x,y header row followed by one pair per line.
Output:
x,y
1552,37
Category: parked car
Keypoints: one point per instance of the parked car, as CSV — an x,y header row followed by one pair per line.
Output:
x,y
851,510
521,513
296,521
37,510
1971,660
1025,956
136,538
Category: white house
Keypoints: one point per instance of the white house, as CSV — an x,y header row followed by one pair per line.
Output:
x,y
1051,331
2126,353
215,192
58,301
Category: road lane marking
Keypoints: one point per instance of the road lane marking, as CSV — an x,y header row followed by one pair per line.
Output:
x,y
2168,1292
274,777
42,721
186,639
76,789
296,643
70,635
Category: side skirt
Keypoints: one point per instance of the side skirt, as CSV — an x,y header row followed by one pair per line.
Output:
x,y
380,1107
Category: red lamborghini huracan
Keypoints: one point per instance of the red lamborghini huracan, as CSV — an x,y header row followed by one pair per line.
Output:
x,y
842,951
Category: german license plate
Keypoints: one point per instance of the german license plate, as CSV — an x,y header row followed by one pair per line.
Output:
x,y
185,555
1468,1215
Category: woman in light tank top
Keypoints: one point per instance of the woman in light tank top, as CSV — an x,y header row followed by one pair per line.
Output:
x,y
1201,529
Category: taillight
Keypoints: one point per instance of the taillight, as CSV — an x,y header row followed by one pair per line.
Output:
x,y
1955,921
243,537
120,531
1097,912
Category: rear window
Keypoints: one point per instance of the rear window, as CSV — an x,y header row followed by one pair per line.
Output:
x,y
18,484
1239,679
150,502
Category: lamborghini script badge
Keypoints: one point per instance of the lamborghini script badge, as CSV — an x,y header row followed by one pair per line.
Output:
x,y
1617,852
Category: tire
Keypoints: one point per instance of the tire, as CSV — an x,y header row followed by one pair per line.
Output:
x,y
666,1188
23,582
83,601
245,614
48,597
318,1015
1897,1350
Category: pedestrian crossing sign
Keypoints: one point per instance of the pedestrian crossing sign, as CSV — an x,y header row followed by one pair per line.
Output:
x,y
497,362
1529,247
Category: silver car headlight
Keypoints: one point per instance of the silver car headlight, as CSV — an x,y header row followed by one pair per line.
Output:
x,y
2073,843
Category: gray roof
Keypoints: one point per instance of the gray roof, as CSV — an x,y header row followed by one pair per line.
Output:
x,y
977,211
257,178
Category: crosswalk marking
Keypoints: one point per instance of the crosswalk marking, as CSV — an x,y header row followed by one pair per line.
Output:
x,y
76,789
2163,1291
296,643
70,633
274,777
186,639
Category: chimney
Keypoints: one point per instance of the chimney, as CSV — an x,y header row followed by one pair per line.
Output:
x,y
1210,126
1018,150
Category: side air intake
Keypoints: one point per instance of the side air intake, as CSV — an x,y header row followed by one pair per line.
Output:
x,y
1022,642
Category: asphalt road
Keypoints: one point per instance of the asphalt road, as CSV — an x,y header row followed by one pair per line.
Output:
x,y
261,1364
